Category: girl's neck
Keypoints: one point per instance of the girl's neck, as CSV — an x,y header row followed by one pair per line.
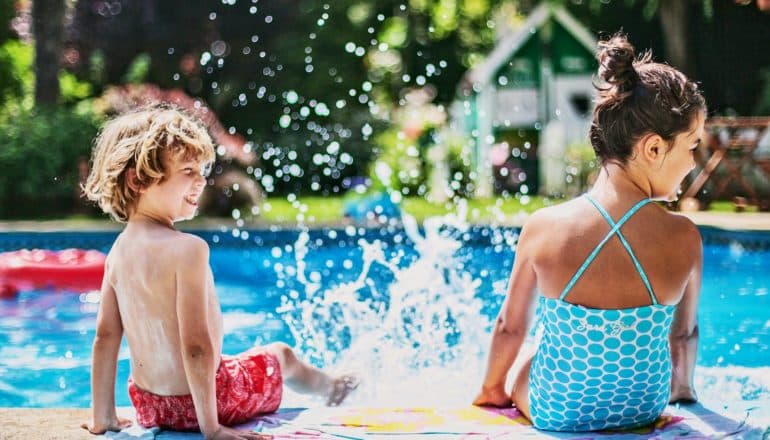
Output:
x,y
621,182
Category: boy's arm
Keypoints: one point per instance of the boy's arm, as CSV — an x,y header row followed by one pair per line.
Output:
x,y
683,338
511,325
109,333
200,361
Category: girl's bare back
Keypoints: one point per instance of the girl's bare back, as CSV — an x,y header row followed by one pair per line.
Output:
x,y
664,244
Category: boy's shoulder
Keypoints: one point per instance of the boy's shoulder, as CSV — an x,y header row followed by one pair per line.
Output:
x,y
190,245
169,246
181,251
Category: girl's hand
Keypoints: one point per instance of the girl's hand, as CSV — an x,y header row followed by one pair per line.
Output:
x,y
682,394
493,397
116,424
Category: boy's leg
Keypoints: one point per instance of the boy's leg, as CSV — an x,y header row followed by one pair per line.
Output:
x,y
306,378
299,374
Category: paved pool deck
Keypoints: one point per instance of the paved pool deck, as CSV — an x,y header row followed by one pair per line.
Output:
x,y
48,423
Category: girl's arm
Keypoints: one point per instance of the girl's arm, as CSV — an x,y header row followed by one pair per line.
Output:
x,y
109,333
512,322
683,338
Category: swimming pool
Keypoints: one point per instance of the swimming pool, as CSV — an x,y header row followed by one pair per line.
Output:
x,y
410,310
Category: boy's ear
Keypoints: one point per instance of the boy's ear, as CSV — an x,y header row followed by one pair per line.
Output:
x,y
132,180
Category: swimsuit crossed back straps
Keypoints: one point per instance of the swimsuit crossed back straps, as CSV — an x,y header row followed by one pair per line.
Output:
x,y
600,368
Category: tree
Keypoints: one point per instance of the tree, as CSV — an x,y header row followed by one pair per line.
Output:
x,y
48,28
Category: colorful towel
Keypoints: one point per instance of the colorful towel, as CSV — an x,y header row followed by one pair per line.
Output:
x,y
735,421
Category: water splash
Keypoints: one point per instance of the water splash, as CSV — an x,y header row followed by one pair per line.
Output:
x,y
425,329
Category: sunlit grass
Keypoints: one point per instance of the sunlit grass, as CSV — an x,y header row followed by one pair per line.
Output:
x,y
326,210
727,206
331,209
313,209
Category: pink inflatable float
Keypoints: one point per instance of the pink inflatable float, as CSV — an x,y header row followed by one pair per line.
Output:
x,y
68,269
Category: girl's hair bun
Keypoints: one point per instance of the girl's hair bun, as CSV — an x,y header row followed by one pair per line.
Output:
x,y
616,64
634,96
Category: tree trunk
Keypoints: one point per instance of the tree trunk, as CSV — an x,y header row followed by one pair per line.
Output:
x,y
48,29
673,20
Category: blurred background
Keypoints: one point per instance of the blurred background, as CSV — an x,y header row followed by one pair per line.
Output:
x,y
320,107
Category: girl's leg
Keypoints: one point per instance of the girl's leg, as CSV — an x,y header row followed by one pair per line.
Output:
x,y
305,378
520,393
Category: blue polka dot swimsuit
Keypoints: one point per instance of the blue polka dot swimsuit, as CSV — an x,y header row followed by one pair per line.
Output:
x,y
595,368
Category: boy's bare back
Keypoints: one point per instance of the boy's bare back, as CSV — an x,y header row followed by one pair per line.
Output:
x,y
147,268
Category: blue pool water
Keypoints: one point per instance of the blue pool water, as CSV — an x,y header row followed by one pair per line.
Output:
x,y
406,308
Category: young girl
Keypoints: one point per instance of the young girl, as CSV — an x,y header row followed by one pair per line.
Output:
x,y
618,276
149,171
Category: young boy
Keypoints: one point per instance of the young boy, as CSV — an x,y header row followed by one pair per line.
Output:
x,y
149,170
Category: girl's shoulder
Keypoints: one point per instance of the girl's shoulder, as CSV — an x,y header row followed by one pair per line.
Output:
x,y
575,217
681,227
551,222
556,214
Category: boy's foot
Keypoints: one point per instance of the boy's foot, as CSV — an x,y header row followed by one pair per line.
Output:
x,y
341,387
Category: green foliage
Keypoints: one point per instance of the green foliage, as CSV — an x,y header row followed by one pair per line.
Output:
x,y
581,165
39,158
97,69
461,165
394,32
16,77
73,90
138,70
421,154
40,148
400,165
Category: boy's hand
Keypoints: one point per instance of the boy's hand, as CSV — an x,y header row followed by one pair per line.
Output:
x,y
493,397
225,433
100,428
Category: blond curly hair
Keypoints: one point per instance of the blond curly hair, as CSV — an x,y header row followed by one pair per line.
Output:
x,y
141,140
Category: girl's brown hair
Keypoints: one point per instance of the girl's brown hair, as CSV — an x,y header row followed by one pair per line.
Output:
x,y
638,97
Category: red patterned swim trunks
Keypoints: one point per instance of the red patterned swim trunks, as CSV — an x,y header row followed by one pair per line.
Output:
x,y
246,385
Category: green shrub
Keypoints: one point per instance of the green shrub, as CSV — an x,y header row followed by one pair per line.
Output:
x,y
40,153
16,76
400,165
581,167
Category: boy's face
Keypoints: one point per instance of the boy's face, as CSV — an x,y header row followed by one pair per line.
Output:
x,y
176,196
